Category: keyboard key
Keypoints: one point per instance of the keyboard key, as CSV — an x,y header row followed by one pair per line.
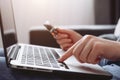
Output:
x,y
37,56
52,59
55,54
23,60
44,58
30,58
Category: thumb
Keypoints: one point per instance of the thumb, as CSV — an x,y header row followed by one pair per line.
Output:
x,y
66,31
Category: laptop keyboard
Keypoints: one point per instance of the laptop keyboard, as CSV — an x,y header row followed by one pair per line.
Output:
x,y
40,57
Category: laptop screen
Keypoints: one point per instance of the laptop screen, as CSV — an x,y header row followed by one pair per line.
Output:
x,y
7,24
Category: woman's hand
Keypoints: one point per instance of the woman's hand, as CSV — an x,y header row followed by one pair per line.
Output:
x,y
66,38
90,49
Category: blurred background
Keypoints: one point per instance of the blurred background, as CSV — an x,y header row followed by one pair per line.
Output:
x,y
32,13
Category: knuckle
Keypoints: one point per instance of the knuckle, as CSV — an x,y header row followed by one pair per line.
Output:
x,y
88,36
92,40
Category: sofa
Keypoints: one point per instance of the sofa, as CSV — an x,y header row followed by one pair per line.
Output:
x,y
38,35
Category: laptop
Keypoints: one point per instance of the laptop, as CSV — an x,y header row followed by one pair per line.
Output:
x,y
39,58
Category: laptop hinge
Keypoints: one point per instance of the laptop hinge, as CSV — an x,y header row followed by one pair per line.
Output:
x,y
14,52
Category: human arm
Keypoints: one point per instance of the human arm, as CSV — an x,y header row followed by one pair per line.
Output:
x,y
91,49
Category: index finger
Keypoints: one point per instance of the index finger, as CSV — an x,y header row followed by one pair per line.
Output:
x,y
67,54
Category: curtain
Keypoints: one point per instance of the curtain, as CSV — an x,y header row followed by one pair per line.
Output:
x,y
107,11
115,11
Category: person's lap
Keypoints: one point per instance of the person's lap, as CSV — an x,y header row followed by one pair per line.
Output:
x,y
5,73
111,66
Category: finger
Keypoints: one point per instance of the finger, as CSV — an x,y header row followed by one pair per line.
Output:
x,y
64,41
85,51
66,46
68,53
93,56
61,36
77,50
79,47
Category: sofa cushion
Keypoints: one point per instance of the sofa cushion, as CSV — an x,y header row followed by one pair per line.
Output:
x,y
40,36
117,29
109,36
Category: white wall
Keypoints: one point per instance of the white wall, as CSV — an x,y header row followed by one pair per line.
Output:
x,y
29,13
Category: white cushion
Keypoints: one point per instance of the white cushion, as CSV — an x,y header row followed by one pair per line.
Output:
x,y
117,29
